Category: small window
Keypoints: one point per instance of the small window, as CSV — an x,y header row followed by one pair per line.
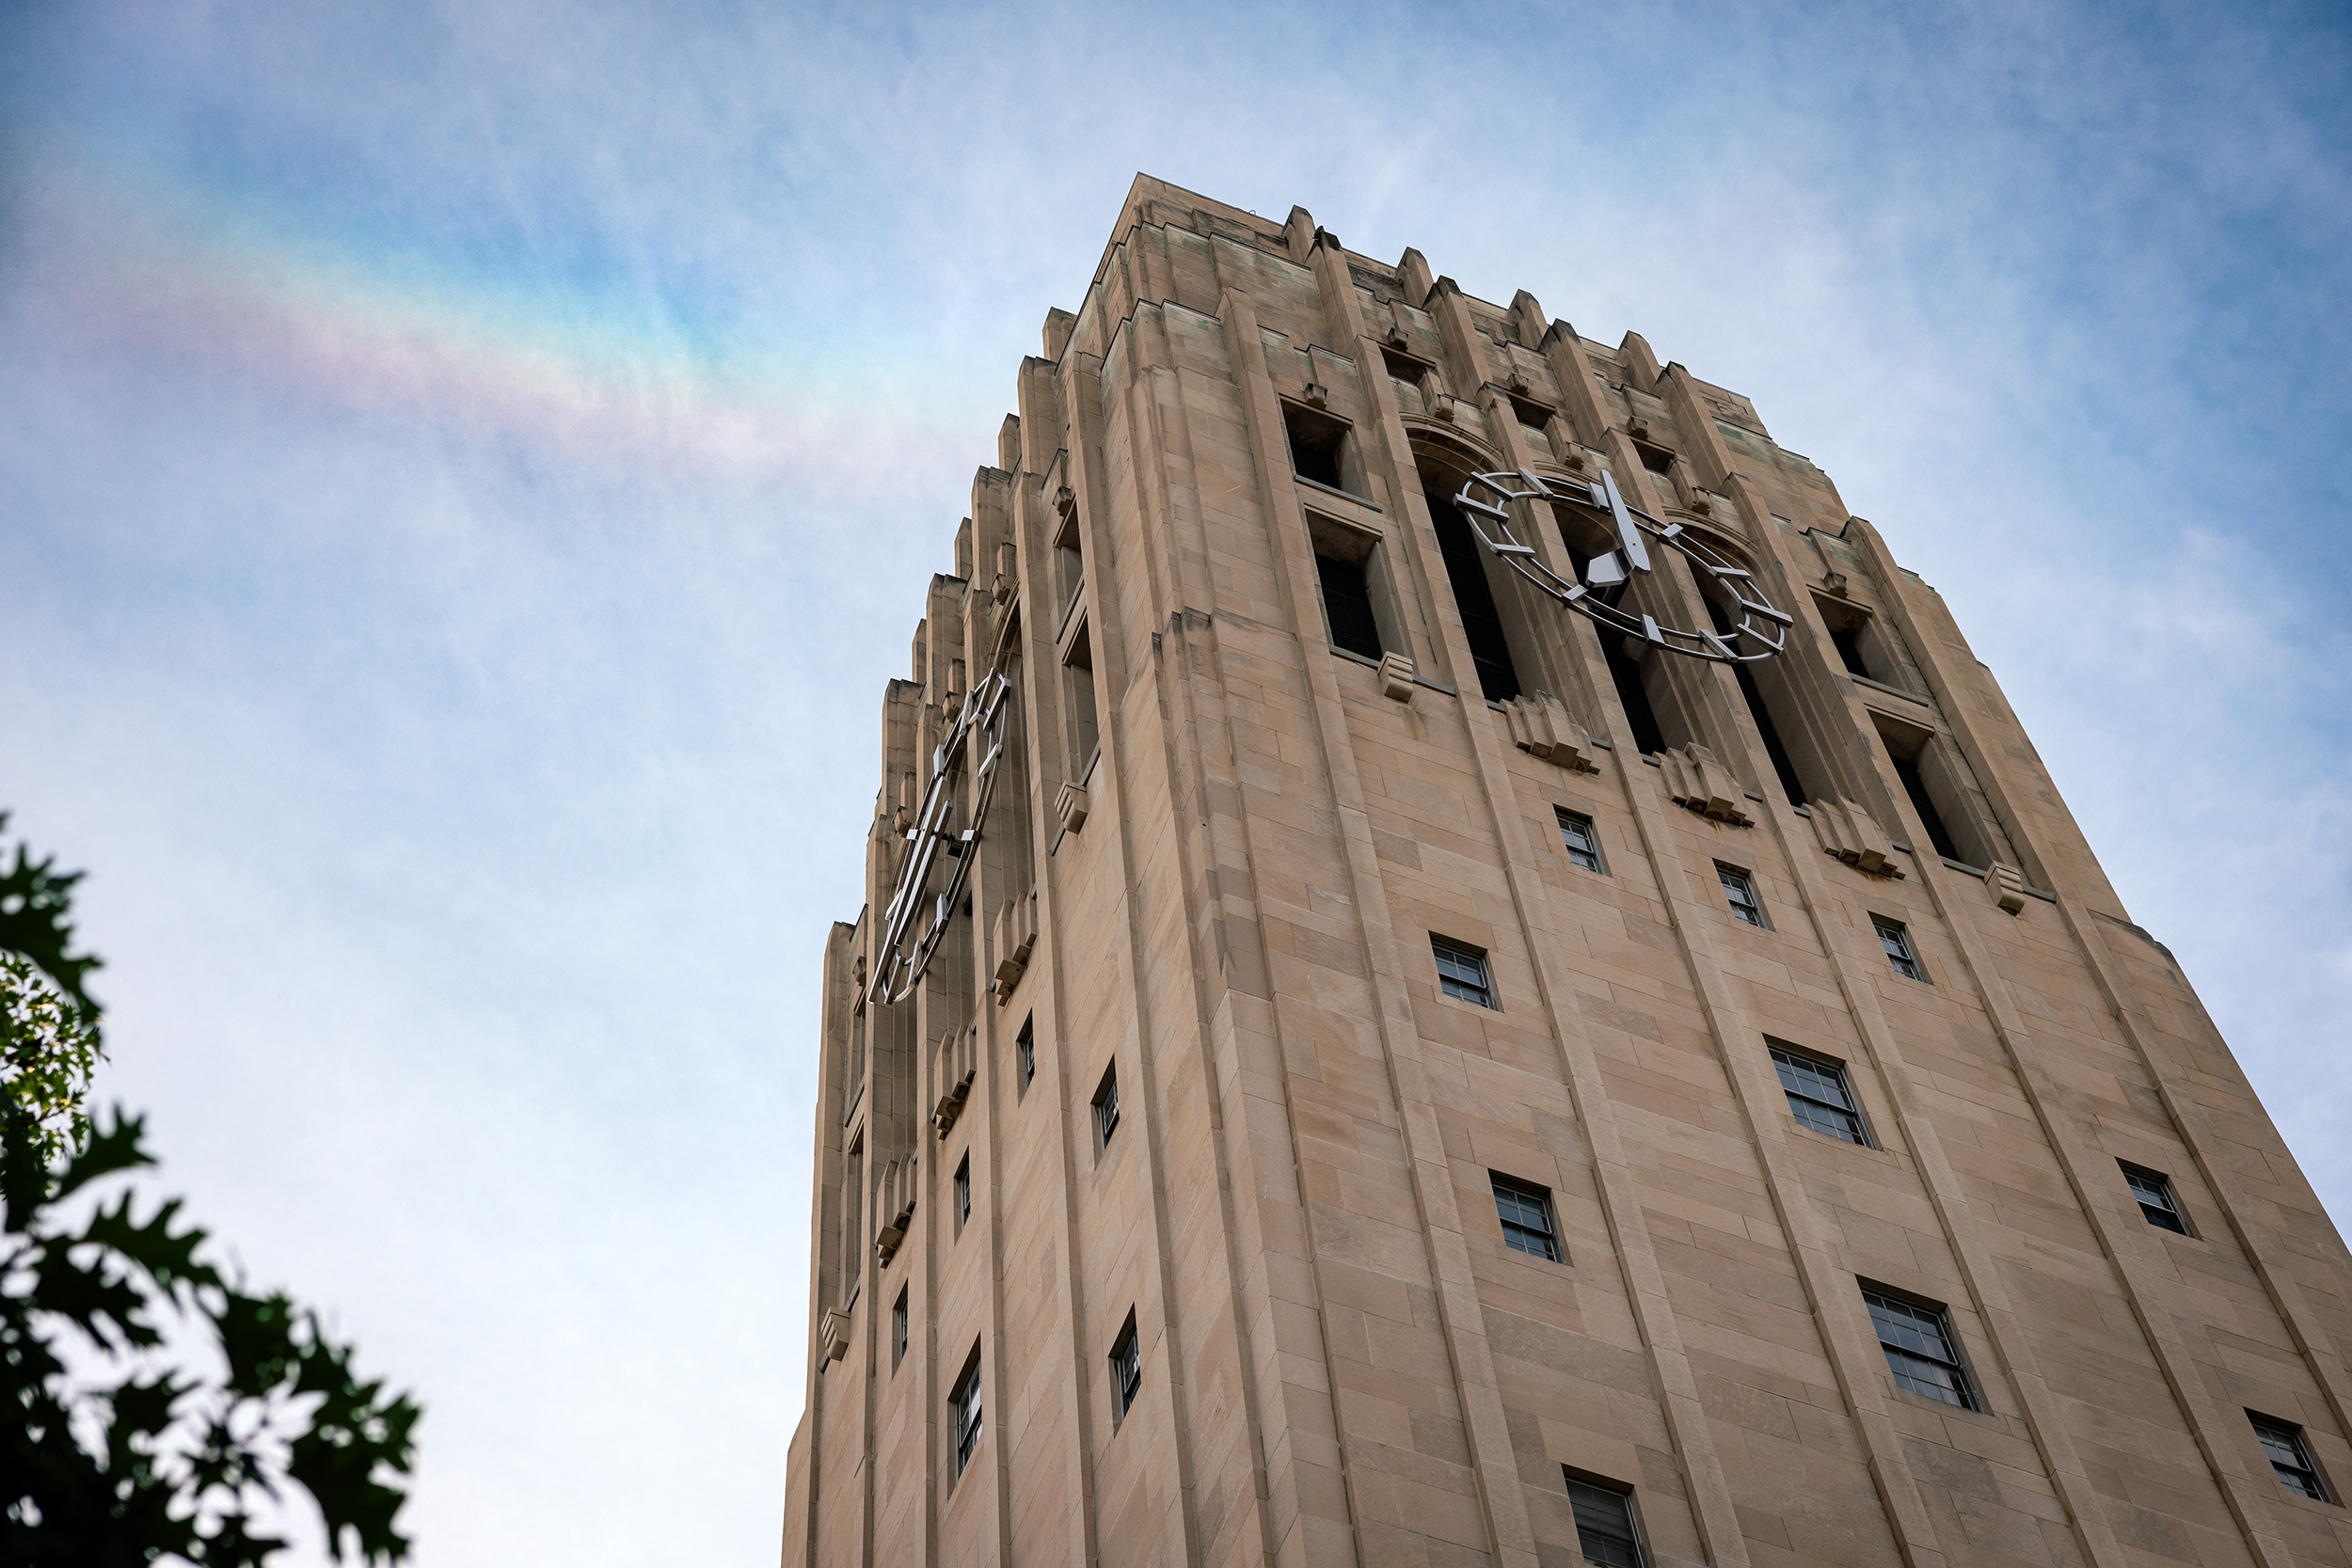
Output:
x,y
1604,1525
964,1410
963,1193
1069,562
1847,640
1462,971
1915,789
1819,1096
852,1221
1582,839
2156,1201
1897,941
1126,1369
1107,1109
1844,622
899,1330
1921,1350
1348,606
1078,691
1525,1211
1739,888
1534,414
1318,444
2290,1461
1024,1053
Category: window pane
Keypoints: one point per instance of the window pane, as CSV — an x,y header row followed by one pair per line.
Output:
x,y
1819,1096
1127,1369
2289,1460
1897,941
1919,1350
1582,839
1462,971
1348,605
964,1406
1526,1216
1106,1111
1604,1525
2156,1202
1742,893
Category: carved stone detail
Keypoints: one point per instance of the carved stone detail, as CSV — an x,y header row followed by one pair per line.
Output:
x,y
1016,937
894,1194
958,1061
1541,726
1070,804
1694,779
2006,886
1396,677
1851,834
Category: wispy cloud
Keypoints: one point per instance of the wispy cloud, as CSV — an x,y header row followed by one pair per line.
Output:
x,y
470,469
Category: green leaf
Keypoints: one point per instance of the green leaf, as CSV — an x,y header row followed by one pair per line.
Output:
x,y
35,903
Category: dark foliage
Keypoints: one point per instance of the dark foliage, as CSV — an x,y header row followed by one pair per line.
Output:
x,y
113,1451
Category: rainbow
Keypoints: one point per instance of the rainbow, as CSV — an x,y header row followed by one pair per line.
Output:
x,y
165,276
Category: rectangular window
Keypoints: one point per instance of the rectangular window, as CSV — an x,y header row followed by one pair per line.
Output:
x,y
1107,1109
1739,888
2290,1461
1897,941
1581,838
1844,622
1819,1096
1921,1350
1126,1369
963,1193
1525,1211
1024,1052
2156,1201
1069,563
899,1330
853,1221
1462,971
963,1411
1916,787
1604,1525
1348,606
1078,691
1318,444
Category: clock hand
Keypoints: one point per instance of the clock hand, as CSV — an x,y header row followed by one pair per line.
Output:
x,y
1628,535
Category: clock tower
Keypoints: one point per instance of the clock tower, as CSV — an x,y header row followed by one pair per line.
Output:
x,y
1460,967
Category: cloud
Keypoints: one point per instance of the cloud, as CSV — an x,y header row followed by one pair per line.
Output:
x,y
473,469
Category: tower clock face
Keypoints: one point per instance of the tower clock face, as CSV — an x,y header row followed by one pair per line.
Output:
x,y
1613,551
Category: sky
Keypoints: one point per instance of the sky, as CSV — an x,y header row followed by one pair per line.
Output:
x,y
468,469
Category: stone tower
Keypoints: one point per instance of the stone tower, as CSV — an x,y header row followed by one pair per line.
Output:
x,y
1459,968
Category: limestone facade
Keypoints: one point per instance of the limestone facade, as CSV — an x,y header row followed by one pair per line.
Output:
x,y
1279,745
